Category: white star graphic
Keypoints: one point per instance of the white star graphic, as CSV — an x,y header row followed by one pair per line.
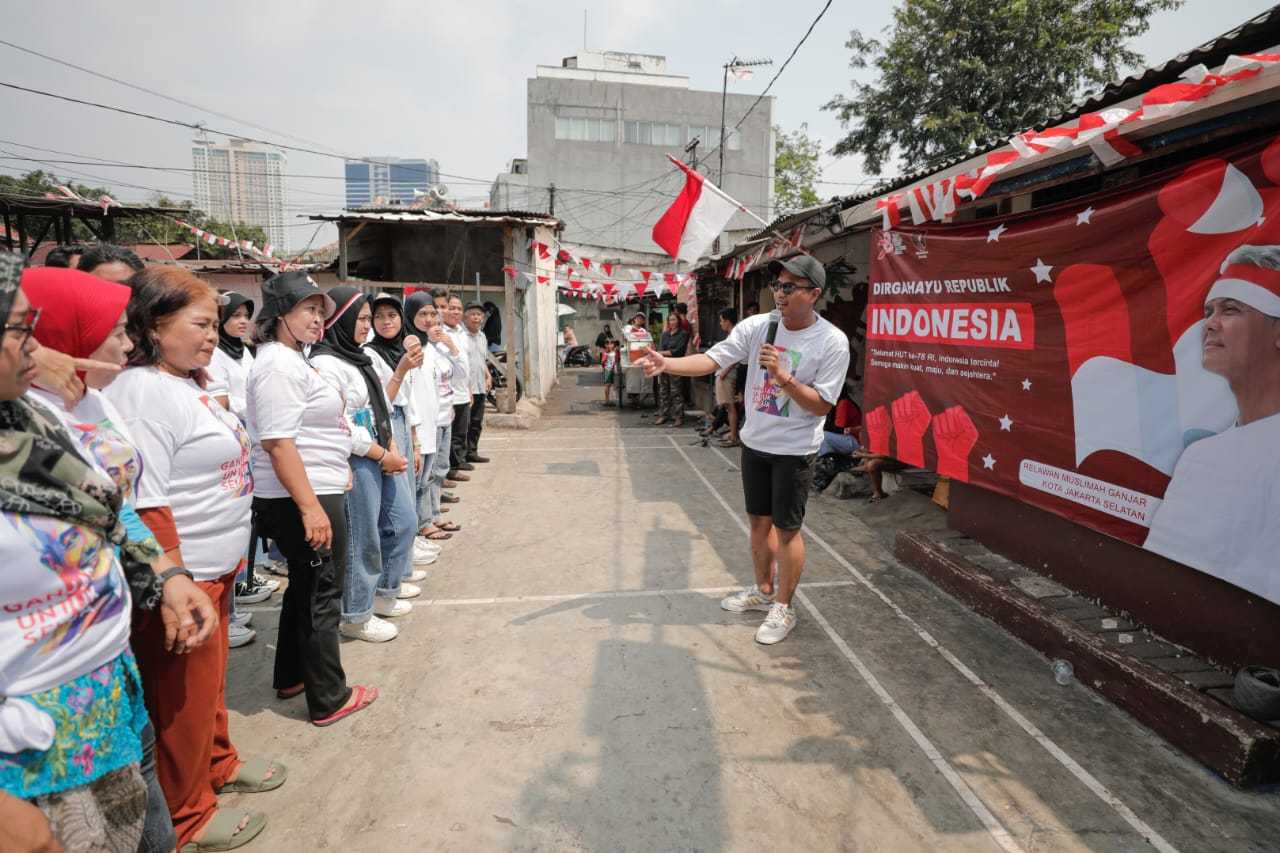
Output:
x,y
1026,385
1082,218
993,236
1041,269
1006,423
989,462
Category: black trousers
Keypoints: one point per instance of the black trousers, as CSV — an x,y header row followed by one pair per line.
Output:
x,y
307,645
477,423
458,438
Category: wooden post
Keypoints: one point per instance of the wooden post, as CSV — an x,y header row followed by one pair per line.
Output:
x,y
342,253
507,400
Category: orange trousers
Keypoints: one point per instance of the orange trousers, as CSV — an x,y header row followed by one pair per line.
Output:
x,y
186,696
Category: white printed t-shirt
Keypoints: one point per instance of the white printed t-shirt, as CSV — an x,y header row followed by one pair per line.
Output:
x,y
195,460
64,602
817,356
287,398
461,380
229,377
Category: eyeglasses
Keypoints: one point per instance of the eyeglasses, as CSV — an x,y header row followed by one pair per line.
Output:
x,y
26,327
786,288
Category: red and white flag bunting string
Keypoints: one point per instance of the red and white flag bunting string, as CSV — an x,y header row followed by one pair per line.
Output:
x,y
1101,131
573,284
736,268
600,271
245,245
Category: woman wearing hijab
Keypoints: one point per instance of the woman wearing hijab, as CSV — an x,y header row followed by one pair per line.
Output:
x,y
229,370
390,344
301,444
442,362
72,715
379,504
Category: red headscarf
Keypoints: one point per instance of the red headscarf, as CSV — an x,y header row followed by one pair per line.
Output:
x,y
77,310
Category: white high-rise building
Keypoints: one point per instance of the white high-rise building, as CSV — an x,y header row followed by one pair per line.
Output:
x,y
241,181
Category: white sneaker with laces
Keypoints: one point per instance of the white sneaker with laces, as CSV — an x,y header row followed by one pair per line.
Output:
x,y
424,558
777,625
416,576
743,600
375,630
390,607
239,635
408,590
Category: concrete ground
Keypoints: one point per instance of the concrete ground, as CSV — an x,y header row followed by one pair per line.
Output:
x,y
568,682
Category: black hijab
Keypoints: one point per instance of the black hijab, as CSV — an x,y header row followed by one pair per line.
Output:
x,y
232,346
414,303
391,349
340,342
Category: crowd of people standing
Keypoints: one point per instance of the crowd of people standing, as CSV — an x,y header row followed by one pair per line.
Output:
x,y
153,445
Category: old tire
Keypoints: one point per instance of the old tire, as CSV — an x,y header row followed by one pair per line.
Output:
x,y
1257,693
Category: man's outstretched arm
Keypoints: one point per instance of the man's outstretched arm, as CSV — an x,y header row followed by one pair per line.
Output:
x,y
654,363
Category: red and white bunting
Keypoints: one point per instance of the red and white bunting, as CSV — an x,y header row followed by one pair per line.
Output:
x,y
1101,131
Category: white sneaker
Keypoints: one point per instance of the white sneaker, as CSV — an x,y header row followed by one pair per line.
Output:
x,y
375,630
777,625
416,576
390,607
408,590
743,600
242,618
270,583
422,543
239,635
424,558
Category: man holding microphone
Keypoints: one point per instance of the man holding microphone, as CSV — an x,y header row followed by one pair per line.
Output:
x,y
796,365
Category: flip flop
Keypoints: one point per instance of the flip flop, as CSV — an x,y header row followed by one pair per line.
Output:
x,y
363,696
436,535
290,692
724,442
251,778
223,831
449,527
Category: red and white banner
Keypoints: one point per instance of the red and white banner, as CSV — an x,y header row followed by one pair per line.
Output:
x,y
1100,359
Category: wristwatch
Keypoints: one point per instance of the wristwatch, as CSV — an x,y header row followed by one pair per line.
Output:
x,y
173,572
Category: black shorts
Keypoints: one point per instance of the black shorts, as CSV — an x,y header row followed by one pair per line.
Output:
x,y
777,486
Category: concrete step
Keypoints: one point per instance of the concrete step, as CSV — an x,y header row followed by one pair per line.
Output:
x,y
1171,691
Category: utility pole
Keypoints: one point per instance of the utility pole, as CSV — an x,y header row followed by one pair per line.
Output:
x,y
553,200
692,150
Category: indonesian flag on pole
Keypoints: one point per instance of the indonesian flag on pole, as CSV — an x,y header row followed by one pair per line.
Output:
x,y
695,219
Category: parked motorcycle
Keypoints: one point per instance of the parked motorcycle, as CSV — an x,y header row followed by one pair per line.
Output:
x,y
579,356
499,377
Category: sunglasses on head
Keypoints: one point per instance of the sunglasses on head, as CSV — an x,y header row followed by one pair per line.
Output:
x,y
786,288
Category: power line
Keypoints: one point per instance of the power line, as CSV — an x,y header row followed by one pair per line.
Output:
x,y
154,93
784,65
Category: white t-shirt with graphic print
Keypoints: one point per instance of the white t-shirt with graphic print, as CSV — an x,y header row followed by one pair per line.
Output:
x,y
195,460
817,356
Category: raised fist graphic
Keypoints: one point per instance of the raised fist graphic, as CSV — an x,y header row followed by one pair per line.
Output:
x,y
954,435
878,429
911,419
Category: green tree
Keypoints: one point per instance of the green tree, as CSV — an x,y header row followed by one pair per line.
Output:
x,y
141,229
795,170
954,74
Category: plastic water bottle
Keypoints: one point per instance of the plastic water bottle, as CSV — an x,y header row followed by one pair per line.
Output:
x,y
1063,671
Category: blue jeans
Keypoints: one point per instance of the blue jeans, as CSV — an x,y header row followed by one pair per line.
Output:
x,y
838,444
439,473
157,829
383,523
422,489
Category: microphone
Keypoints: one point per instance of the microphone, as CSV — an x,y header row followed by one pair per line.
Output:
x,y
774,317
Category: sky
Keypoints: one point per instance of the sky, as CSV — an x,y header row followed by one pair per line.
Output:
x,y
442,80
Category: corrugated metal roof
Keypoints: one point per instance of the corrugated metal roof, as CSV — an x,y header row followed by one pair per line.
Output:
x,y
1256,34
393,214
14,201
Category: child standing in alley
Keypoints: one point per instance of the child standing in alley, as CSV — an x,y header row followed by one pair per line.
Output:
x,y
609,360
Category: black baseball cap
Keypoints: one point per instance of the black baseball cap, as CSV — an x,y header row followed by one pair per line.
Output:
x,y
282,292
805,266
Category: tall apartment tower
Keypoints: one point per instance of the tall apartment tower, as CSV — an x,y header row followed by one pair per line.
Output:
x,y
241,181
388,180
601,125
